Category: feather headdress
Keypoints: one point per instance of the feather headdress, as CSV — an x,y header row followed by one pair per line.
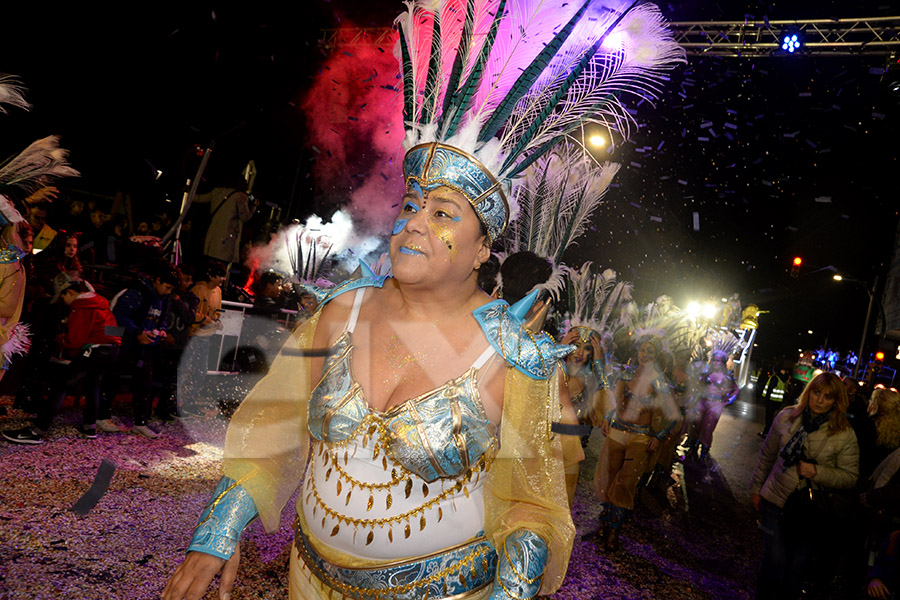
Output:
x,y
490,86
676,329
723,340
594,300
556,199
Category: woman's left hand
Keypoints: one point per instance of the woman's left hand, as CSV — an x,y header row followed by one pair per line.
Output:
x,y
806,469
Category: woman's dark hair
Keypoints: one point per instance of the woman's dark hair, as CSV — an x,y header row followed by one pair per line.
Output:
x,y
487,274
55,253
520,272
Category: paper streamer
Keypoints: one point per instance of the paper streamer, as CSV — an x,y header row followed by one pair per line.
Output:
x,y
101,483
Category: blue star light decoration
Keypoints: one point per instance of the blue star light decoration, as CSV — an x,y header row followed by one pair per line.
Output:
x,y
790,43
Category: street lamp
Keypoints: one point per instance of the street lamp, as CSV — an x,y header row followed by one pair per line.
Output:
x,y
871,294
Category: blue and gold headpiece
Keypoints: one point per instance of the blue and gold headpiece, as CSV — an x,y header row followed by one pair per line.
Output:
x,y
434,165
478,114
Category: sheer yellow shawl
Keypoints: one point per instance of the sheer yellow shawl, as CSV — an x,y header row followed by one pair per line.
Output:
x,y
267,444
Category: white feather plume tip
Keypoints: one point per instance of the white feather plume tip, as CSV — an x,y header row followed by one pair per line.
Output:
x,y
12,93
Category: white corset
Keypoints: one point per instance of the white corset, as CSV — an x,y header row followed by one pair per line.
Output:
x,y
444,516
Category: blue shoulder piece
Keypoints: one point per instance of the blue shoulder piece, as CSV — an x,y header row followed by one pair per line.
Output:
x,y
221,524
355,282
534,354
10,254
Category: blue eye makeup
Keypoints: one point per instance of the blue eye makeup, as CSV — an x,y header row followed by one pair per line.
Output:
x,y
399,224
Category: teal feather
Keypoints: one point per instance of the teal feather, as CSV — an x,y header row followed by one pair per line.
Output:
x,y
564,87
535,154
409,97
529,76
463,97
434,72
459,60
567,83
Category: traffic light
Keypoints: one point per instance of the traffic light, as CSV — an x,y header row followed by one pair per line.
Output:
x,y
795,268
879,360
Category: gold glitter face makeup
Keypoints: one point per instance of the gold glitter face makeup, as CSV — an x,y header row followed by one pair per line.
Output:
x,y
444,221
443,232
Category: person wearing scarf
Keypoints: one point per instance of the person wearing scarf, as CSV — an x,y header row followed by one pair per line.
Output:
x,y
809,442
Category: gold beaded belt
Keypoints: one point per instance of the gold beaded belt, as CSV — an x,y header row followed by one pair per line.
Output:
x,y
450,573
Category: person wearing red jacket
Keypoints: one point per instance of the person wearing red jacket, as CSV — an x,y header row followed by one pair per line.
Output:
x,y
91,346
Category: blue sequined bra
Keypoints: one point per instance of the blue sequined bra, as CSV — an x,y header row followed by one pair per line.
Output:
x,y
439,434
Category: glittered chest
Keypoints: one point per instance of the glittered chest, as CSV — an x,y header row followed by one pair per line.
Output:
x,y
437,435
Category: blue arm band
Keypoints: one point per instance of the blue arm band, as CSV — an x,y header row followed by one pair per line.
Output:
x,y
520,566
599,369
221,524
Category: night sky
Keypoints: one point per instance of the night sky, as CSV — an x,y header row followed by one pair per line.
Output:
x,y
778,157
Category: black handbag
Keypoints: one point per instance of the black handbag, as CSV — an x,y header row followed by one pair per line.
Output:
x,y
811,506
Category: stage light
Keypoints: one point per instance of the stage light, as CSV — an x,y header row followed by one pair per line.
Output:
x,y
597,141
809,331
790,43
709,310
693,309
838,278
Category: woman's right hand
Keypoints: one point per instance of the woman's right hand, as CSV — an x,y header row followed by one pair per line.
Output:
x,y
571,336
757,502
193,576
604,427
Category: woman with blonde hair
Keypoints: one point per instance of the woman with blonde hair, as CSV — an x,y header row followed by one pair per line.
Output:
x,y
885,410
810,445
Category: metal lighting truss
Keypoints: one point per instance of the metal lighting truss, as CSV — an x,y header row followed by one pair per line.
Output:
x,y
821,37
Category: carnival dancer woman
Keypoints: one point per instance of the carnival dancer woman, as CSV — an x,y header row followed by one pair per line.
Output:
x,y
631,438
405,442
716,390
809,444
659,467
433,471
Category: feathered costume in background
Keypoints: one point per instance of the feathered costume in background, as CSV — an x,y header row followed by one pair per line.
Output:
x,y
35,167
594,300
490,86
674,328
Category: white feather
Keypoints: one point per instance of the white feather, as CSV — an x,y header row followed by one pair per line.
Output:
x,y
37,165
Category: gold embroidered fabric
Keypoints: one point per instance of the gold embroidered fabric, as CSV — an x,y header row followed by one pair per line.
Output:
x,y
526,486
